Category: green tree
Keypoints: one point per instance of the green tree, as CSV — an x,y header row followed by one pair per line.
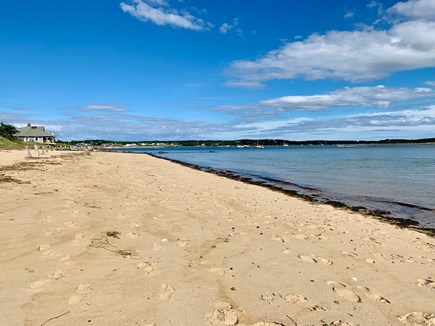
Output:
x,y
7,131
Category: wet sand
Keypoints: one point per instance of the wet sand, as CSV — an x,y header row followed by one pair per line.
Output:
x,y
125,239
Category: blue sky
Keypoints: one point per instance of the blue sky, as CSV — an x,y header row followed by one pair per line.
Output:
x,y
228,69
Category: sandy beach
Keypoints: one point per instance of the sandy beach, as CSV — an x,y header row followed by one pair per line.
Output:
x,y
127,239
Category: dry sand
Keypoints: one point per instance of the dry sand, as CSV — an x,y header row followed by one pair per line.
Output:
x,y
125,239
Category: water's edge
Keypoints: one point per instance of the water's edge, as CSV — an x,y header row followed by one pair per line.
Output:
x,y
308,194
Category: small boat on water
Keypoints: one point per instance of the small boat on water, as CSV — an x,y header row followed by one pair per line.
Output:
x,y
259,146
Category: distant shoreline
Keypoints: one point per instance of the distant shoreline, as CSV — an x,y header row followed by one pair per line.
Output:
x,y
244,142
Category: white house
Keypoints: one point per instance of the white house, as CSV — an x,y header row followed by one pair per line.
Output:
x,y
35,134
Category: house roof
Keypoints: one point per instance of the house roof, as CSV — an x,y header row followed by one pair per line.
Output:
x,y
33,131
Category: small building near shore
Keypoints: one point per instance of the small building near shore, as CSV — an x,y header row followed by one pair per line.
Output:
x,y
35,134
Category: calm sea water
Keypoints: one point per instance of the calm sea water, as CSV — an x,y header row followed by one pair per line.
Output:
x,y
395,178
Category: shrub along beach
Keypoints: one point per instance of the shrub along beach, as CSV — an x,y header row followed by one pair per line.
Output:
x,y
123,239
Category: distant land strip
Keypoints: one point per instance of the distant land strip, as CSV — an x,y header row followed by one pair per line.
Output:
x,y
248,142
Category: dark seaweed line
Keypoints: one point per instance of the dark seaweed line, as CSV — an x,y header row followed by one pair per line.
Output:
x,y
380,214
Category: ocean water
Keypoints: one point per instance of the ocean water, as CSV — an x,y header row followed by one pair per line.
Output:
x,y
399,179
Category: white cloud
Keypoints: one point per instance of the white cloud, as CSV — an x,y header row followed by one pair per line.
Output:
x,y
389,124
225,27
378,96
349,14
376,5
159,12
103,107
234,25
162,3
419,9
350,55
372,4
365,96
272,125
410,123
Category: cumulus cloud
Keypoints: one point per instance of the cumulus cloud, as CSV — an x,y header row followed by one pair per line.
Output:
x,y
419,9
160,13
365,96
359,55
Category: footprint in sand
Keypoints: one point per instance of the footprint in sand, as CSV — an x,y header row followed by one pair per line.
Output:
x,y
373,296
69,224
74,299
66,260
343,291
269,298
314,259
85,288
146,266
223,315
325,261
295,298
69,204
418,318
320,308
80,290
38,284
167,292
156,247
56,275
182,243
426,283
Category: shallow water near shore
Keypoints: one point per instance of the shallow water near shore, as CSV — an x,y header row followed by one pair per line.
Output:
x,y
396,180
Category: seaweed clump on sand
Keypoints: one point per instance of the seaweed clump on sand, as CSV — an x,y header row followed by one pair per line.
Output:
x,y
5,178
